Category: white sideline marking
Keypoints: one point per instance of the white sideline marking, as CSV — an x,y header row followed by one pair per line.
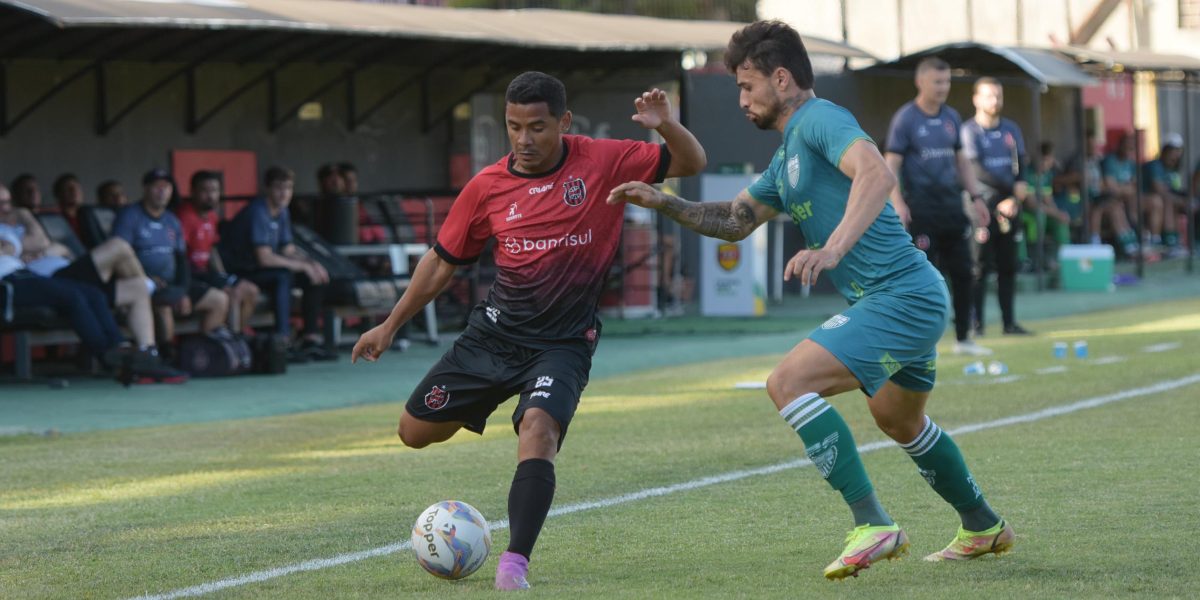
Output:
x,y
750,385
1164,347
1050,370
1108,360
341,559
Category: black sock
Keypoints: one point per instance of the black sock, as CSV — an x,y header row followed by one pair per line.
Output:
x,y
529,501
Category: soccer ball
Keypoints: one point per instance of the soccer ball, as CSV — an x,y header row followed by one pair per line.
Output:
x,y
451,539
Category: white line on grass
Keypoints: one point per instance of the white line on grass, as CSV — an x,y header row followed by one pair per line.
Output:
x,y
341,559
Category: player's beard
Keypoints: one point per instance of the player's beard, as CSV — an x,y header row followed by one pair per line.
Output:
x,y
769,117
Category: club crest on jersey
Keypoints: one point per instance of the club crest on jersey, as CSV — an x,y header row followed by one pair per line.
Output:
x,y
513,215
729,255
793,169
437,397
574,191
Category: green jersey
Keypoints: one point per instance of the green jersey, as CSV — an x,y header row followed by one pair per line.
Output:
x,y
804,181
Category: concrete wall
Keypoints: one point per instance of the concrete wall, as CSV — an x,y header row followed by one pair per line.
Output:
x,y
891,28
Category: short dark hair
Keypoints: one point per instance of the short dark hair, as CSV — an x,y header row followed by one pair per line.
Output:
x,y
986,81
532,87
200,177
274,174
769,45
21,180
345,167
104,187
934,63
1047,148
326,170
61,182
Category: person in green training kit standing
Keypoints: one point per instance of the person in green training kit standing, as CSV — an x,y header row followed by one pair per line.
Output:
x,y
830,178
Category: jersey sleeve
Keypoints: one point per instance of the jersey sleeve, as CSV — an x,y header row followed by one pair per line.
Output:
x,y
125,225
958,125
967,136
897,137
461,239
260,226
831,131
1022,154
766,188
636,161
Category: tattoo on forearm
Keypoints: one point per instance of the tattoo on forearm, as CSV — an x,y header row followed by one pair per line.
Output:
x,y
725,220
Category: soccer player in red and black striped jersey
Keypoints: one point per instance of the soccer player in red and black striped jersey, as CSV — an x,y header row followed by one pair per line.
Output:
x,y
535,333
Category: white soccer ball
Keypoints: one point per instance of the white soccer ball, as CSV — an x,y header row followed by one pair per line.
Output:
x,y
451,539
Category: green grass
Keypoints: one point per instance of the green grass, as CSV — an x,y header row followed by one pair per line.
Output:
x,y
1103,500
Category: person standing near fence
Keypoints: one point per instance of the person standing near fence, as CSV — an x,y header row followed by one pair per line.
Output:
x,y
924,151
995,148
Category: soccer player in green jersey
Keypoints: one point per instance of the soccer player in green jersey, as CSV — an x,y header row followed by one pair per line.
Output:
x,y
830,178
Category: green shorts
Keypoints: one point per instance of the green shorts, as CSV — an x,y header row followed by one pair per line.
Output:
x,y
890,335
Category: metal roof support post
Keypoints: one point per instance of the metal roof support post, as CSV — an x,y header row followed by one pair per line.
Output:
x,y
101,99
1138,218
351,101
272,97
1085,141
1035,94
291,112
189,108
1186,163
3,99
359,119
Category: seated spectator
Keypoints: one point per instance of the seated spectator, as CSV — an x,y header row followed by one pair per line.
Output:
x,y
1056,224
26,193
259,247
84,305
111,195
1114,191
198,216
68,193
156,236
1163,184
349,176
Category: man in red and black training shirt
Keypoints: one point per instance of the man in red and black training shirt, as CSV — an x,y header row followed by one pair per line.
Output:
x,y
535,334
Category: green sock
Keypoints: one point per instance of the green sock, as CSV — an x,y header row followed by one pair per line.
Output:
x,y
830,445
1170,239
941,463
1128,241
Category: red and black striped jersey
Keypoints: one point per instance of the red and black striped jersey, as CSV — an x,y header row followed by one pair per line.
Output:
x,y
555,236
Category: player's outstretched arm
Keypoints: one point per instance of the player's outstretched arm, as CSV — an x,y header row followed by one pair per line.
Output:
x,y
431,276
654,112
731,221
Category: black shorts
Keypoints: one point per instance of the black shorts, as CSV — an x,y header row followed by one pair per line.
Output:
x,y
84,270
482,371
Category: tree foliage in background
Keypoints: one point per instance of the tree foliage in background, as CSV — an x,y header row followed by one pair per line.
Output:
x,y
716,10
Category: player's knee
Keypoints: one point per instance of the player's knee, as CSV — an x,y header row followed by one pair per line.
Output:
x,y
411,438
540,429
900,428
785,385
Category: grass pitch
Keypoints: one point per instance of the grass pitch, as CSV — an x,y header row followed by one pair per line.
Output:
x,y
1103,499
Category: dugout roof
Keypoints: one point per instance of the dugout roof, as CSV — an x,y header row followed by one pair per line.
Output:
x,y
99,28
1042,65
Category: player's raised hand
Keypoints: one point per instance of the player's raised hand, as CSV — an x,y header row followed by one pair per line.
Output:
x,y
653,109
372,344
807,264
636,192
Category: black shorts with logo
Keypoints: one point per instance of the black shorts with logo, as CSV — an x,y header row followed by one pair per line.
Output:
x,y
83,269
482,371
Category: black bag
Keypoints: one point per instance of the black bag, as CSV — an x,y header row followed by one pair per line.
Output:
x,y
205,355
270,354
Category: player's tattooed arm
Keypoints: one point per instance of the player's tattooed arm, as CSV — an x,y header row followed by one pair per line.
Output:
x,y
731,221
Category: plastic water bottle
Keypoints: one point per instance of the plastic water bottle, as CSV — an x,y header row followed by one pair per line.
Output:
x,y
997,368
975,368
1060,349
1081,350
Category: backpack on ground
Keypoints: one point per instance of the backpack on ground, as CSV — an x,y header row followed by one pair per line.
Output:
x,y
214,355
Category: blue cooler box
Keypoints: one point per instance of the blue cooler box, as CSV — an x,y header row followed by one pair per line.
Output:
x,y
1086,267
